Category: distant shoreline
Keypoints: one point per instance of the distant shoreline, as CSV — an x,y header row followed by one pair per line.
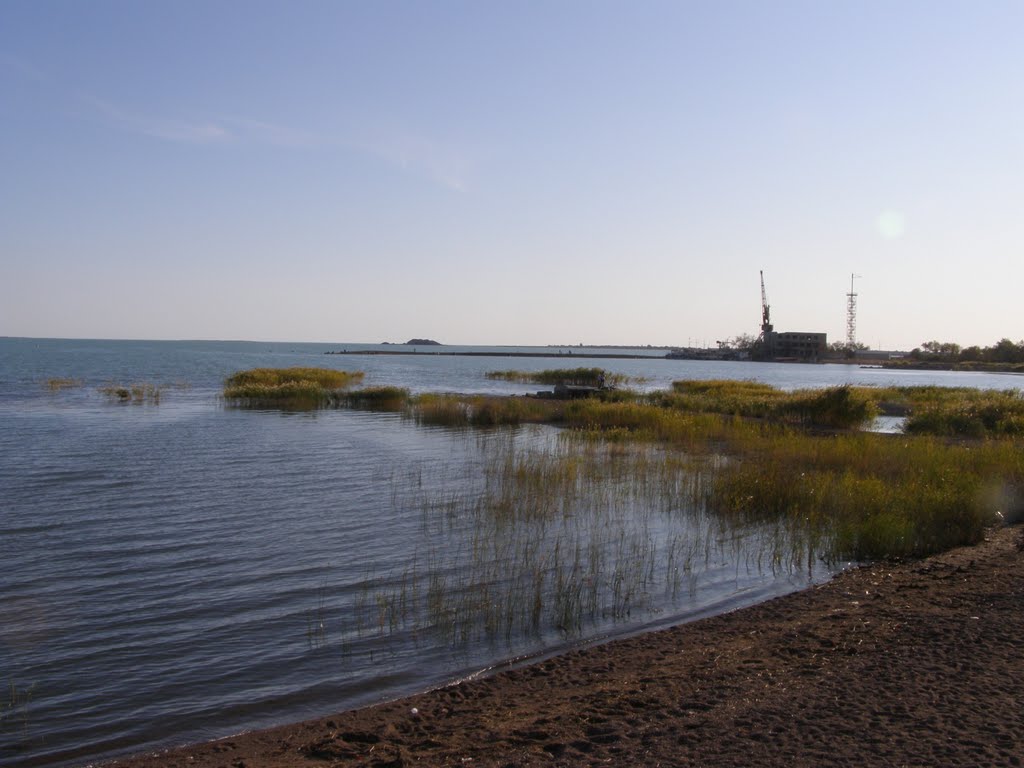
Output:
x,y
962,367
565,355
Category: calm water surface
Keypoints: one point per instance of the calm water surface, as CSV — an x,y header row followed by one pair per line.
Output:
x,y
180,571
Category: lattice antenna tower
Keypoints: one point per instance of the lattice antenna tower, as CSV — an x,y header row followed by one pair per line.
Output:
x,y
851,315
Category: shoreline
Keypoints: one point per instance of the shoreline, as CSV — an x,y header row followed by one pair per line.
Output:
x,y
913,663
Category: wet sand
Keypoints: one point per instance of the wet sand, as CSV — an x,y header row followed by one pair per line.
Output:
x,y
913,664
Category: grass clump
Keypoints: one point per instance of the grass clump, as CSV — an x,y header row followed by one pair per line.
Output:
x,y
870,496
379,398
483,411
841,407
795,459
289,387
860,495
969,413
834,408
133,393
583,377
57,383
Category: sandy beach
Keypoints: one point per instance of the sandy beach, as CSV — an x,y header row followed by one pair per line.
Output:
x,y
907,664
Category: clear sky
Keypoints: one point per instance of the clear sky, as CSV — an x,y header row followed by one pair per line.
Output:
x,y
488,172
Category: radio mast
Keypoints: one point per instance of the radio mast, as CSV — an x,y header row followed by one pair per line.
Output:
x,y
766,321
851,316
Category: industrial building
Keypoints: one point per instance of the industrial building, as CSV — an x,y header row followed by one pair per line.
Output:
x,y
794,345
789,345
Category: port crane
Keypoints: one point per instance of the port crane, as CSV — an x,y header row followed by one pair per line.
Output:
x,y
766,323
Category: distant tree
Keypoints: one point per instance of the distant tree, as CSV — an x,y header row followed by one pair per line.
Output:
x,y
743,341
939,350
1005,351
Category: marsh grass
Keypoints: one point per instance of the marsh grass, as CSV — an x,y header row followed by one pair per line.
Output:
x,y
551,539
586,377
297,388
841,407
952,411
794,459
138,393
739,398
625,508
970,414
379,398
57,384
482,410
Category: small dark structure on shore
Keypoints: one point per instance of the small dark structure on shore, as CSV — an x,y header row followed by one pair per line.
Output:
x,y
570,392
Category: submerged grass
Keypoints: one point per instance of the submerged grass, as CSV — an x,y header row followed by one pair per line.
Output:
x,y
549,540
586,377
15,701
289,387
483,411
379,398
793,458
631,502
58,383
139,393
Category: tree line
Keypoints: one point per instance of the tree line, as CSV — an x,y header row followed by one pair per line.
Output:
x,y
1003,351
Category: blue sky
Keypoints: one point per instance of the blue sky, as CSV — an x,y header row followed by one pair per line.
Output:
x,y
511,173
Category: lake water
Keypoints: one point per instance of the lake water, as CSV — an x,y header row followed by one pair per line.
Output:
x,y
180,571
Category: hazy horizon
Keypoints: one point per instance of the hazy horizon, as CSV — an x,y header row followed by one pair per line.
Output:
x,y
505,174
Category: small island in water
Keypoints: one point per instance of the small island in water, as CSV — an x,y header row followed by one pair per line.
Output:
x,y
423,343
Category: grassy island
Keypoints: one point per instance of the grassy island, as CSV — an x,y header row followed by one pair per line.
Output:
x,y
289,387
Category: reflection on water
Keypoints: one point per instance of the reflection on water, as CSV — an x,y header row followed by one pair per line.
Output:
x,y
887,425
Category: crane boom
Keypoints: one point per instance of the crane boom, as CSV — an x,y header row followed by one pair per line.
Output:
x,y
766,322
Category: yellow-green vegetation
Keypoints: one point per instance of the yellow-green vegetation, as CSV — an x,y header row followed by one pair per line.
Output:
x,y
876,496
585,377
58,383
833,408
289,387
754,454
483,410
624,508
958,411
793,456
133,393
740,398
379,398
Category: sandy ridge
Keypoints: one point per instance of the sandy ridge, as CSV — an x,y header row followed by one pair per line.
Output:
x,y
913,664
